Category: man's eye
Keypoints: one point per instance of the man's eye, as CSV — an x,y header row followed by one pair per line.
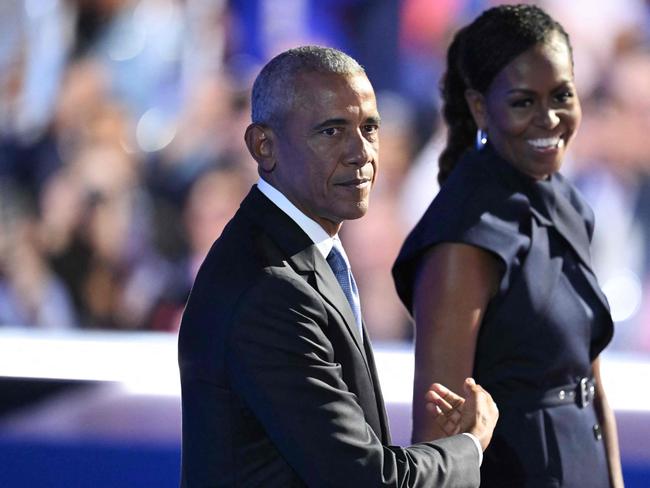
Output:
x,y
331,131
371,129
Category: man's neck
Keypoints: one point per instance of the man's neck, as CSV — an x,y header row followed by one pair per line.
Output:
x,y
316,232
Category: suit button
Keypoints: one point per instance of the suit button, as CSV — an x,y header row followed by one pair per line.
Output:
x,y
598,433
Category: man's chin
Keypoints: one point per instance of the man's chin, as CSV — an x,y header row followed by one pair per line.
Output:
x,y
353,212
358,211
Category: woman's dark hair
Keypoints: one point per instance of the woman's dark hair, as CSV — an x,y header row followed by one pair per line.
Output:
x,y
478,52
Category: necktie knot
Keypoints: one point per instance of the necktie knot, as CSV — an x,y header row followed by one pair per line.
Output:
x,y
336,260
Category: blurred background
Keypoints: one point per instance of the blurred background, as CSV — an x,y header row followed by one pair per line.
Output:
x,y
122,158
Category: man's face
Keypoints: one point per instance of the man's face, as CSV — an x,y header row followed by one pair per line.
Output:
x,y
327,148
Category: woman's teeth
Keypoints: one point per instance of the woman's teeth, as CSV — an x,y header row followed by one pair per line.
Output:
x,y
547,143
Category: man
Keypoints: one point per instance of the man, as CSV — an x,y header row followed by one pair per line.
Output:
x,y
278,378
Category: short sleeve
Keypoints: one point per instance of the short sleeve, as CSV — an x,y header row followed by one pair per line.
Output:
x,y
475,210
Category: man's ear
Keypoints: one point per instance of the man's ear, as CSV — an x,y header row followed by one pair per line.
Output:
x,y
477,106
260,142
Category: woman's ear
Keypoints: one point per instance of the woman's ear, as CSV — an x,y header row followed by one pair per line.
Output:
x,y
260,143
478,107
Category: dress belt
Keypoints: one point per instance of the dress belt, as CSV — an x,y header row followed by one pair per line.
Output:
x,y
580,393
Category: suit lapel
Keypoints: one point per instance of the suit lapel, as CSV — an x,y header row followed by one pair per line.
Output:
x,y
310,260
303,257
331,291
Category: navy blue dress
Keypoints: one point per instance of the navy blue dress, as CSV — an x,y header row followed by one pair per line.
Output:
x,y
542,330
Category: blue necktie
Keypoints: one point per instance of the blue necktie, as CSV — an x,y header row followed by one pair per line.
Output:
x,y
343,273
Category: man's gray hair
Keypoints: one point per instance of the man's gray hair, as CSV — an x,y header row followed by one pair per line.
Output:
x,y
274,88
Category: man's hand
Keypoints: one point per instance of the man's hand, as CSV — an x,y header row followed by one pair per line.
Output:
x,y
476,414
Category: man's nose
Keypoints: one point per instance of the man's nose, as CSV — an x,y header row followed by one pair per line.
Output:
x,y
360,150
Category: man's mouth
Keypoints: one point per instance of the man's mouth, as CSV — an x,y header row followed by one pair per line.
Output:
x,y
356,183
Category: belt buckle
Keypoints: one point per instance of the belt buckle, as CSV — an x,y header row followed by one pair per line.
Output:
x,y
585,392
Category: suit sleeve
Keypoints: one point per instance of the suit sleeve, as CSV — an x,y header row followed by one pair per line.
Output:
x,y
284,367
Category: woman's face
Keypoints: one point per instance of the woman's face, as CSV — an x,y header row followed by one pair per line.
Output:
x,y
531,110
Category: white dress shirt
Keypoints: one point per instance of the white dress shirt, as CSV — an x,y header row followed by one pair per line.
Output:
x,y
316,233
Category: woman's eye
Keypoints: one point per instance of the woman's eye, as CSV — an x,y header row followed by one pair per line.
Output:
x,y
564,96
523,103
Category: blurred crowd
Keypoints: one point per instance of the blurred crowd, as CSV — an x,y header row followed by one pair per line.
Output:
x,y
122,155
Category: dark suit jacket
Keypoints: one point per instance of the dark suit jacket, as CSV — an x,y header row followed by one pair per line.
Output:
x,y
277,387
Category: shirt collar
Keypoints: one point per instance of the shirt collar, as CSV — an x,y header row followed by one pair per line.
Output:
x,y
314,231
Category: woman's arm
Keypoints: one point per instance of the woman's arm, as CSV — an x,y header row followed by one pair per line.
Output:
x,y
452,290
608,424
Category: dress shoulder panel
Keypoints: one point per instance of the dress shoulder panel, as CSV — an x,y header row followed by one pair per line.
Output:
x,y
475,206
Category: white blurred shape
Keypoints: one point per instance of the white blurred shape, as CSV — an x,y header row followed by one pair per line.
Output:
x,y
36,8
128,42
154,131
624,292
146,363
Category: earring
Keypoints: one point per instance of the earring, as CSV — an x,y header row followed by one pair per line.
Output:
x,y
481,139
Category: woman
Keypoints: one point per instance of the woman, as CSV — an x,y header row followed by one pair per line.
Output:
x,y
497,273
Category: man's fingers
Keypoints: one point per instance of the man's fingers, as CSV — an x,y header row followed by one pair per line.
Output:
x,y
448,422
480,412
471,387
443,405
447,415
451,398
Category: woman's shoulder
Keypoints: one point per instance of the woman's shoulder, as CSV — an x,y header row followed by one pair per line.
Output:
x,y
475,206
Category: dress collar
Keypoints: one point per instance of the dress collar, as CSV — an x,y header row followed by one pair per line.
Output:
x,y
542,194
